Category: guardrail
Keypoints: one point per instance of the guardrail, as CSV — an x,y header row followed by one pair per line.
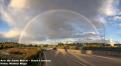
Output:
x,y
104,53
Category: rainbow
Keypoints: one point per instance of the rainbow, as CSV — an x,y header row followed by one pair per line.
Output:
x,y
52,11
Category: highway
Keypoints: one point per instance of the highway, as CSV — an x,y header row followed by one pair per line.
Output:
x,y
75,58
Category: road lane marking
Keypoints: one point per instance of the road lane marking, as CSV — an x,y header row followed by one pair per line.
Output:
x,y
82,60
108,58
69,58
80,63
85,63
45,59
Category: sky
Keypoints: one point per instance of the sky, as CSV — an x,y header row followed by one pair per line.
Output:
x,y
50,21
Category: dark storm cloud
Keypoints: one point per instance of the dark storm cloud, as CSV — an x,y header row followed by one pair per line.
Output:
x,y
88,8
52,26
58,25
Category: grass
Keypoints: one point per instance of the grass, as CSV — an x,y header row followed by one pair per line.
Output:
x,y
21,53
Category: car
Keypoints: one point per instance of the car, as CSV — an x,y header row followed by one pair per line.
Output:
x,y
54,48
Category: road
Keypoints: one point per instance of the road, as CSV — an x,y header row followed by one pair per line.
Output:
x,y
75,58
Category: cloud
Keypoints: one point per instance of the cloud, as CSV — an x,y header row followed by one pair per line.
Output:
x,y
86,37
59,24
117,17
87,8
91,36
17,13
7,17
99,22
108,8
90,33
15,4
11,34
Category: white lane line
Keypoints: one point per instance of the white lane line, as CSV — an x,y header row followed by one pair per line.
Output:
x,y
108,58
39,59
82,60
45,59
79,60
80,63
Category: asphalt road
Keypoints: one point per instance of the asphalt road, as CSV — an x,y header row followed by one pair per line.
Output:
x,y
75,58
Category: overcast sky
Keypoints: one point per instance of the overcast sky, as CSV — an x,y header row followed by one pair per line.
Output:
x,y
59,20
